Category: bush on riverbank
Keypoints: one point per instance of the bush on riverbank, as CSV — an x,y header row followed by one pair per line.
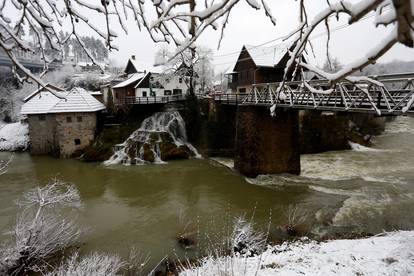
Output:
x,y
41,232
14,137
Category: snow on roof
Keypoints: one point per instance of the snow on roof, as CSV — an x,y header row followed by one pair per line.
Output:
x,y
142,79
76,100
95,93
48,85
134,78
266,56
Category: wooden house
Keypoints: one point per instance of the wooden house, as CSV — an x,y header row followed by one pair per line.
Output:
x,y
257,65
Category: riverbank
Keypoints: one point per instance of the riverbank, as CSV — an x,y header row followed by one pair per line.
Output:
x,y
386,254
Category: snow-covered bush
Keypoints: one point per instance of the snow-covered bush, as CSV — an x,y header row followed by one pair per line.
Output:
x,y
40,230
97,263
92,264
4,164
245,239
14,137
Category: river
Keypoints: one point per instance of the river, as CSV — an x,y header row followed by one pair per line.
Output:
x,y
146,206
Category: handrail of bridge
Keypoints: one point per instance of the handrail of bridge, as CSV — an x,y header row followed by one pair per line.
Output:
x,y
131,100
393,94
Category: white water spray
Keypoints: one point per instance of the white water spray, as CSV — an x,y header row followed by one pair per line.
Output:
x,y
159,138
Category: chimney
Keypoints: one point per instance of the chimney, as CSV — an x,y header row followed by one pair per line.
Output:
x,y
133,57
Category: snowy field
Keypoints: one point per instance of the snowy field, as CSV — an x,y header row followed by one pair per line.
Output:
x,y
14,136
387,254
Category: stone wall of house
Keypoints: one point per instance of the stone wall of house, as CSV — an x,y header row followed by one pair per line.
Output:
x,y
74,131
42,129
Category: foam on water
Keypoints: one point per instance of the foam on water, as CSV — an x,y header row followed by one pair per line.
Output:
x,y
227,162
402,124
358,147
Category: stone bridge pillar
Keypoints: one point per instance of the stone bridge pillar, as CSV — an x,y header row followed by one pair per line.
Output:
x,y
265,144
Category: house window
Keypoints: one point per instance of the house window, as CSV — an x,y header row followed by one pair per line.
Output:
x,y
42,117
167,92
79,119
177,92
69,119
180,80
77,142
144,93
151,78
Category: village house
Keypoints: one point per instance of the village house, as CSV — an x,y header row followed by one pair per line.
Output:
x,y
257,65
144,84
61,122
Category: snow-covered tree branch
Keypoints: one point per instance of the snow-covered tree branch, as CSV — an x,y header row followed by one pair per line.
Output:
x,y
181,22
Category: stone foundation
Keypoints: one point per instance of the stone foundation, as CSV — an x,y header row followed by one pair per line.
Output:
x,y
57,135
265,144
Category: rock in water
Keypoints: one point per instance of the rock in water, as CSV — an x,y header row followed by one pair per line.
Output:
x,y
160,137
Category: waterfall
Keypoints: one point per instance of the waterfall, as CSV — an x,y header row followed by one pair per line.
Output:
x,y
160,137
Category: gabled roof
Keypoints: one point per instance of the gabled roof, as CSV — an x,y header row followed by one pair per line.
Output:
x,y
142,79
266,56
48,87
133,66
76,100
130,81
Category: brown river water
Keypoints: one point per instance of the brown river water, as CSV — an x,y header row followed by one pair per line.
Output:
x,y
146,206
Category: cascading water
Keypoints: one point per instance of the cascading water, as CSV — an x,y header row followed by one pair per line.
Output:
x,y
160,137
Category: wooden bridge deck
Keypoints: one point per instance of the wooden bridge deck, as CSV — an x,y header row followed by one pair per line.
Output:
x,y
391,95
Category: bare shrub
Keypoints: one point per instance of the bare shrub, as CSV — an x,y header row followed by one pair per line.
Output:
x,y
245,239
92,264
295,220
185,236
40,231
4,164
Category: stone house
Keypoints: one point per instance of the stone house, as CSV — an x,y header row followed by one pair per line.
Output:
x,y
61,122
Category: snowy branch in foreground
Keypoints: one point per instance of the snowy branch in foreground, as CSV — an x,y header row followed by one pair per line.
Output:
x,y
397,14
181,22
40,230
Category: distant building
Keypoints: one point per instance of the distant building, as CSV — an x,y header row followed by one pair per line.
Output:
x,y
61,122
257,65
143,84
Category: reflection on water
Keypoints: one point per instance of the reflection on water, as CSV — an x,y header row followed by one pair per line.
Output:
x,y
141,206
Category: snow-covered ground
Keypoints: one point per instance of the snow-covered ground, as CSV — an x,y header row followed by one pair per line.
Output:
x,y
388,254
14,136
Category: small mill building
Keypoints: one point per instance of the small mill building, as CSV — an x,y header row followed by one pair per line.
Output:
x,y
61,122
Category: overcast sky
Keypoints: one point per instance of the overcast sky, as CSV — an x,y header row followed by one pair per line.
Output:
x,y
248,26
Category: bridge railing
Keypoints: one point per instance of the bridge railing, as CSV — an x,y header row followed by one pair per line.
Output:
x,y
387,94
152,100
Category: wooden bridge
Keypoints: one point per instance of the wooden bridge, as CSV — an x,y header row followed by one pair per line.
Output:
x,y
386,95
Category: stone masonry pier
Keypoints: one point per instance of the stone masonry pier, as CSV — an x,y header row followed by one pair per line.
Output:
x,y
265,144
